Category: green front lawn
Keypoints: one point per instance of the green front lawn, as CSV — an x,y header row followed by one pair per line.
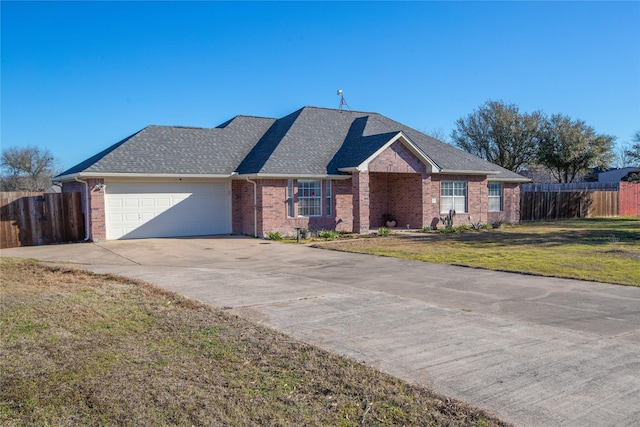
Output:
x,y
601,249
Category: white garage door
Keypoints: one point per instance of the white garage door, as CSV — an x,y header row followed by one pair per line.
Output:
x,y
142,210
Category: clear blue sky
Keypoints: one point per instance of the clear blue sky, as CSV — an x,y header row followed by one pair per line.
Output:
x,y
80,76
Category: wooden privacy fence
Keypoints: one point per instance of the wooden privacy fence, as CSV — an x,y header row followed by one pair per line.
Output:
x,y
629,199
561,201
31,219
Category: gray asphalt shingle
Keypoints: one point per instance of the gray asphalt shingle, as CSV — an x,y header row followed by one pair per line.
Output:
x,y
309,141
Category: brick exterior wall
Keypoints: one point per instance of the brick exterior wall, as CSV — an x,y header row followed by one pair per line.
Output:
x,y
397,195
477,197
430,201
242,217
395,187
343,204
96,208
478,200
272,214
510,204
397,158
361,205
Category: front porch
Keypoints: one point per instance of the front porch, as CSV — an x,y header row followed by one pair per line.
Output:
x,y
397,196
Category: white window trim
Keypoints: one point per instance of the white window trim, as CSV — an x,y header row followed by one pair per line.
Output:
x,y
499,197
317,196
328,197
291,209
454,197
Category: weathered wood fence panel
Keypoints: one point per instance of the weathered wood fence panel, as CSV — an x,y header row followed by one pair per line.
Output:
x,y
629,199
32,219
563,201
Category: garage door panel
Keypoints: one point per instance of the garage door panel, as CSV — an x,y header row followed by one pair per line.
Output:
x,y
114,203
167,210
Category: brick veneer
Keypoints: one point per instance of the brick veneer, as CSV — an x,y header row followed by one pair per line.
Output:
x,y
477,197
397,158
242,219
361,205
271,212
397,195
510,204
96,208
395,187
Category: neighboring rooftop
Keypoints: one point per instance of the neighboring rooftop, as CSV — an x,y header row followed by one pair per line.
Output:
x,y
615,175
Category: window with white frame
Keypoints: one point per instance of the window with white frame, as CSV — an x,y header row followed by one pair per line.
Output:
x,y
453,196
309,197
327,198
495,196
290,206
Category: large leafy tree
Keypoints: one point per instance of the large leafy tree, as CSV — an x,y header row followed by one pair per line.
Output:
x,y
634,151
499,133
568,148
26,169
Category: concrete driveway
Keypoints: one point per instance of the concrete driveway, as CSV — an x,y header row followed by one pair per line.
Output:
x,y
535,351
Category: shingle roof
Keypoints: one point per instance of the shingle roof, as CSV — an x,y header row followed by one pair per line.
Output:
x,y
320,141
180,150
309,141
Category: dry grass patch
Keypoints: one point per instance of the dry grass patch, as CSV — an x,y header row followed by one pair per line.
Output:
x,y
602,250
85,349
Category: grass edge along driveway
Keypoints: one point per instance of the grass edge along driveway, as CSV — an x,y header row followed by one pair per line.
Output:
x,y
87,349
600,249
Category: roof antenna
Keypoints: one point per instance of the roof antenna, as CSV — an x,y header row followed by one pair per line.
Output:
x,y
342,101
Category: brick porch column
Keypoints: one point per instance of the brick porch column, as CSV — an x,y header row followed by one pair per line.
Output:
x,y
97,214
360,189
430,210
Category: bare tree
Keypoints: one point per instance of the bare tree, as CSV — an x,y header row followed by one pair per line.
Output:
x,y
634,151
622,157
499,133
437,133
26,169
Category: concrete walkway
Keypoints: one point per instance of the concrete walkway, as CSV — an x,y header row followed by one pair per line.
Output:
x,y
535,351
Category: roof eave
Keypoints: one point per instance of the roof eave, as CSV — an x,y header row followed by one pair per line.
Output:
x,y
352,169
71,177
465,172
289,176
498,179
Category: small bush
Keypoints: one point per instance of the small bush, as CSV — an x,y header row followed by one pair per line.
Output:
x,y
477,226
463,227
447,230
384,231
497,223
274,235
328,234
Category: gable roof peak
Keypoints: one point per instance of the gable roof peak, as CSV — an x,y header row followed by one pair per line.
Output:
x,y
241,117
